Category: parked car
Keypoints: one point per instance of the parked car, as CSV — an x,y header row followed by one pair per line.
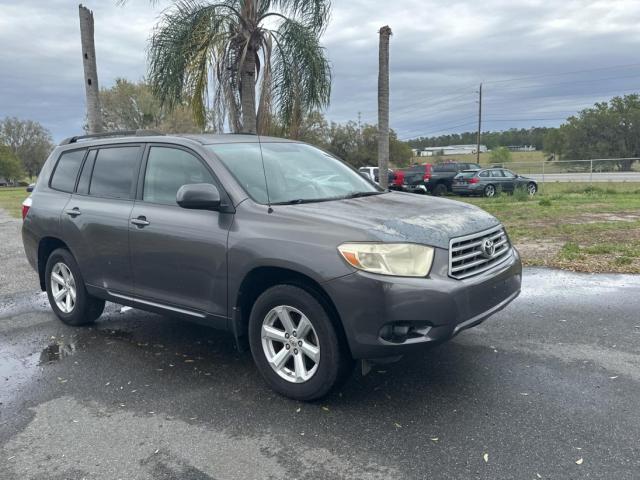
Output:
x,y
372,173
441,180
312,271
489,181
413,179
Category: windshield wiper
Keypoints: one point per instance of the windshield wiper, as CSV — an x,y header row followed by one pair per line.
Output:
x,y
361,194
298,201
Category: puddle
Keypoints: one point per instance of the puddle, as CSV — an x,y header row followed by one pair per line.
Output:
x,y
56,351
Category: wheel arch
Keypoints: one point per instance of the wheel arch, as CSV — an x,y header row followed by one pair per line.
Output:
x,y
46,246
260,278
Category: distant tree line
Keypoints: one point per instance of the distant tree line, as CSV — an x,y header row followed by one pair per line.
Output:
x,y
522,136
606,130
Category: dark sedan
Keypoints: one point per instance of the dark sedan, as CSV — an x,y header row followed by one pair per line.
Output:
x,y
489,181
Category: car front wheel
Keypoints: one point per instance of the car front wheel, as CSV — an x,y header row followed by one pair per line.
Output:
x,y
532,189
295,344
67,293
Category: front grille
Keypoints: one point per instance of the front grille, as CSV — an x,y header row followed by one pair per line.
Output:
x,y
472,254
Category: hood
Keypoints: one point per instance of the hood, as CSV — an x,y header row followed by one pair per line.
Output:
x,y
401,217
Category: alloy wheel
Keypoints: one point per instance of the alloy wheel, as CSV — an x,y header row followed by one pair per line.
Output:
x,y
489,190
63,287
290,344
532,189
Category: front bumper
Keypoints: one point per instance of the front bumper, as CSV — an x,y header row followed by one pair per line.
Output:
x,y
431,310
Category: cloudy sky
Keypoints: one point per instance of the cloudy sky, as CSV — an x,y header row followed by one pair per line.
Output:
x,y
539,61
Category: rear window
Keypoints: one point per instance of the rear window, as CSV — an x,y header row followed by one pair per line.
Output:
x,y
446,167
66,171
466,174
114,172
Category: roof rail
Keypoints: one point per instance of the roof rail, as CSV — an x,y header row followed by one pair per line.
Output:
x,y
116,133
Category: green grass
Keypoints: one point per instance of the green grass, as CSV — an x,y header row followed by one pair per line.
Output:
x,y
574,226
11,199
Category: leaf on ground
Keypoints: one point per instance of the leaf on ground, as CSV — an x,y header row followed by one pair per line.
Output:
x,y
397,425
434,439
486,457
298,410
326,409
614,377
579,461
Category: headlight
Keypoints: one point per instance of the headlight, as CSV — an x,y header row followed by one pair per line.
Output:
x,y
401,259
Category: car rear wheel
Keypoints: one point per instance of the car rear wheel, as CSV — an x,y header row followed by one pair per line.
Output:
x,y
440,189
67,293
532,189
295,344
489,191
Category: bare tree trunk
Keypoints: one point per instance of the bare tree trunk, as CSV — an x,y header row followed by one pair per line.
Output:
x,y
248,93
383,107
94,114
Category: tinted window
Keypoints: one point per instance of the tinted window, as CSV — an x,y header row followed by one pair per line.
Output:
x,y
446,167
484,174
85,176
496,173
508,174
114,172
167,170
466,174
66,172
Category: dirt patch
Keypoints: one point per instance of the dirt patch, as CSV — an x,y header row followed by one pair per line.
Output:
x,y
539,252
590,217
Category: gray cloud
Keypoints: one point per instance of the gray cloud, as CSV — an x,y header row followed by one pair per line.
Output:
x,y
440,52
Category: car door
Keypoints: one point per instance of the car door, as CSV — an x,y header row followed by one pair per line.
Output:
x,y
498,179
178,256
510,181
95,221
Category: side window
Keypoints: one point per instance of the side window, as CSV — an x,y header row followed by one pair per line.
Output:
x,y
167,170
114,172
66,171
484,174
508,173
85,175
496,173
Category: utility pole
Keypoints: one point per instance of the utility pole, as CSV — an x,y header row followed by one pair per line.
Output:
x,y
479,123
94,113
383,106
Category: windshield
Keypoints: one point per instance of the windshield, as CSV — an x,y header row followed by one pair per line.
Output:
x,y
295,173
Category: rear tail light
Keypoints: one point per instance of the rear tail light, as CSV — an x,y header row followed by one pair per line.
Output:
x,y
474,180
398,178
26,205
427,173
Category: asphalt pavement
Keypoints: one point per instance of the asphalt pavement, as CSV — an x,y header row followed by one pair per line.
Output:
x,y
548,388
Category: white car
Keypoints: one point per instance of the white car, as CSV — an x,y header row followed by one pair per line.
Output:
x,y
372,174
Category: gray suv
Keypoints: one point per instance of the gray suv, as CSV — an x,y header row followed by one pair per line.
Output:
x,y
275,241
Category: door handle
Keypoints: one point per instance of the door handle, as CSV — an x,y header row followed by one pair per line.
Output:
x,y
140,222
73,212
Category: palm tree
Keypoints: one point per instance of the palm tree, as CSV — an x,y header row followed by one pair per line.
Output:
x,y
383,106
231,46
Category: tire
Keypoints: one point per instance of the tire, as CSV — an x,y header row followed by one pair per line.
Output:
x,y
489,191
82,310
440,189
334,362
532,189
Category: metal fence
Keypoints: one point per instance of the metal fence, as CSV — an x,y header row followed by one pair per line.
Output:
x,y
582,171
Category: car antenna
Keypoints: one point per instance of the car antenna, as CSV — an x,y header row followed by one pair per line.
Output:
x,y
266,184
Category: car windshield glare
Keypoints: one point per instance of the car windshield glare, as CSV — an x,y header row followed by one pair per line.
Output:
x,y
293,173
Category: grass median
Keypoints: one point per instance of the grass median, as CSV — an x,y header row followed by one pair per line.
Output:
x,y
574,226
11,199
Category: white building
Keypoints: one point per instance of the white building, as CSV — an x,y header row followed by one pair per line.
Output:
x,y
449,150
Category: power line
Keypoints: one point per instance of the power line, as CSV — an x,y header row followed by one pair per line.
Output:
x,y
612,67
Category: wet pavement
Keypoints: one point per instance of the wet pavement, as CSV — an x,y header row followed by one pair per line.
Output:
x,y
548,388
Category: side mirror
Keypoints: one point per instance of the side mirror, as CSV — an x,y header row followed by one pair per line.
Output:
x,y
198,196
30,188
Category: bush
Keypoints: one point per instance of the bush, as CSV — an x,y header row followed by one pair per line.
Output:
x,y
500,155
520,194
544,202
